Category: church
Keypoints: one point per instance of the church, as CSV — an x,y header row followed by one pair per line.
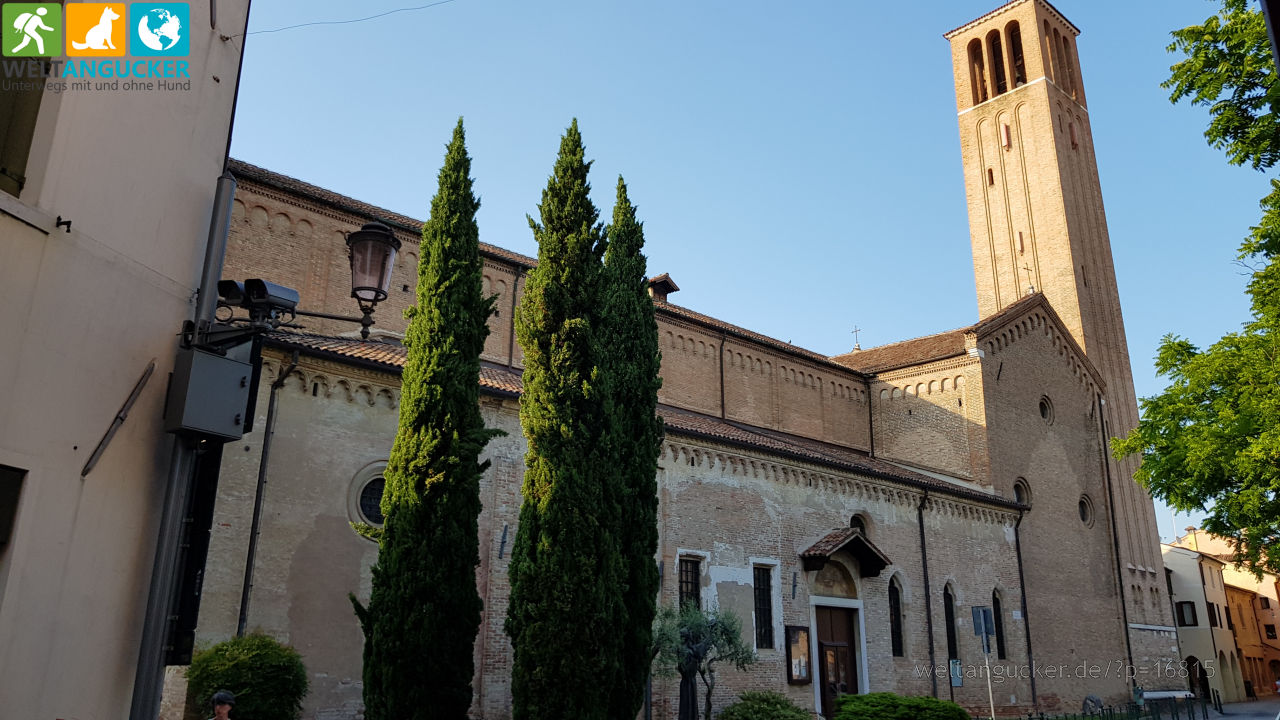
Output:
x,y
854,510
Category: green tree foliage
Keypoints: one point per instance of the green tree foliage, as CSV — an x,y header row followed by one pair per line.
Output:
x,y
764,706
1211,441
887,706
267,678
692,641
424,612
633,362
1229,69
566,569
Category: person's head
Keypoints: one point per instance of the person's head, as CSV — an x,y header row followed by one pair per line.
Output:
x,y
223,700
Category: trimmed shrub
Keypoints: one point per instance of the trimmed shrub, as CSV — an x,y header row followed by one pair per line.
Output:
x,y
268,678
887,706
764,706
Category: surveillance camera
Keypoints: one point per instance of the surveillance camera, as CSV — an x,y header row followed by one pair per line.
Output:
x,y
231,292
264,295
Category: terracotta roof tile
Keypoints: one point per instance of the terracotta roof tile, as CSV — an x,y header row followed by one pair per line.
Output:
x,y
245,171
908,352
502,379
376,351
383,356
831,543
871,559
940,346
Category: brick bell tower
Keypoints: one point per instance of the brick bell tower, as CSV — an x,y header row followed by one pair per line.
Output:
x,y
1036,221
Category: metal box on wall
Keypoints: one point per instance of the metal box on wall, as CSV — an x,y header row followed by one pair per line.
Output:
x,y
208,395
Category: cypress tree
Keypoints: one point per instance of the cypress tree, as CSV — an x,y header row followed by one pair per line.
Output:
x,y
565,568
421,622
633,362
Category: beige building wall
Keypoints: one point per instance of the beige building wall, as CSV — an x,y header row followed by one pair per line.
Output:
x,y
1037,220
1197,581
1265,605
84,311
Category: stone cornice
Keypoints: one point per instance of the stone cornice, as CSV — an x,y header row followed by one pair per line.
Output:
x,y
342,216
684,452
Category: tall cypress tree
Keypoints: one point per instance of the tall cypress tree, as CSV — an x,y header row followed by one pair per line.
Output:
x,y
633,362
421,622
565,569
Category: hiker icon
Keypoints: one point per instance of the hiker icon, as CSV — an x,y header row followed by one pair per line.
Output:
x,y
30,25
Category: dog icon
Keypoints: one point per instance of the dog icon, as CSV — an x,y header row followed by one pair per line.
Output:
x,y
99,36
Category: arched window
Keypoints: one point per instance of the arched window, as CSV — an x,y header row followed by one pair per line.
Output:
x,y
895,618
949,612
977,72
998,612
859,523
1070,63
1059,62
371,501
1050,69
997,61
1021,493
1014,33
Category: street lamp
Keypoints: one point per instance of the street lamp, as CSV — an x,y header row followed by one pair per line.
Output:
x,y
371,251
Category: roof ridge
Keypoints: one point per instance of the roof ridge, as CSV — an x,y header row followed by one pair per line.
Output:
x,y
1012,310
902,342
812,356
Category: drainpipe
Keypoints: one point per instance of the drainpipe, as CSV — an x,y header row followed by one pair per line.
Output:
x,y
871,423
928,601
1173,610
1115,539
722,339
1026,618
256,524
511,337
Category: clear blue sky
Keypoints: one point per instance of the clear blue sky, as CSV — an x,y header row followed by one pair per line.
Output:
x,y
796,166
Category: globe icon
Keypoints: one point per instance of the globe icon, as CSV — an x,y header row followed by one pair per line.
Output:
x,y
159,29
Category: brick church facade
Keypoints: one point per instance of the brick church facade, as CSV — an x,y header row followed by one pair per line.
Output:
x,y
851,509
